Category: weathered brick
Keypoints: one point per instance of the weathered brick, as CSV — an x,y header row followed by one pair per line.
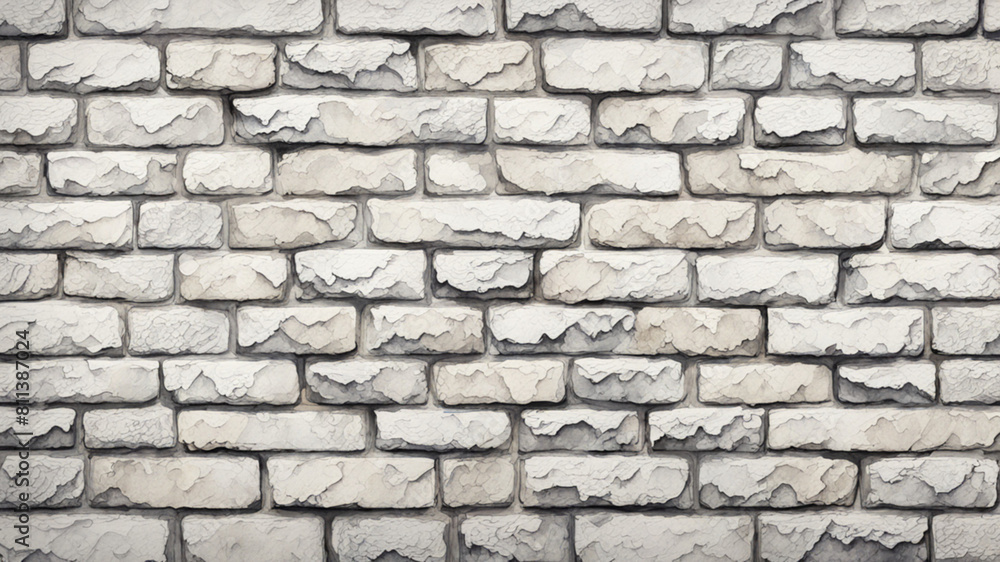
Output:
x,y
336,171
589,171
533,328
299,330
395,330
706,429
131,428
966,537
635,65
477,481
370,121
829,535
928,276
396,482
210,64
944,224
368,274
966,330
810,17
454,172
207,430
925,120
497,66
763,383
826,223
636,223
91,65
20,173
60,328
84,225
231,276
583,15
137,278
746,64
541,121
154,121
356,64
27,17
86,381
513,381
903,382
697,331
645,538
883,429
360,381
37,119
179,224
628,379
289,224
205,482
766,279
483,274
578,429
775,481
231,381
267,17
25,276
371,538
854,331
112,172
522,536
853,65
175,330
807,120
969,380
574,276
228,172
441,430
431,17
52,482
930,482
671,120
971,174
88,537
876,18
47,428
613,480
254,536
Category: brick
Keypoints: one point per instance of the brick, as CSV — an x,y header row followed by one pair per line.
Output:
x,y
944,224
370,538
20,173
746,64
706,429
876,18
541,121
327,330
608,480
919,120
856,331
966,537
483,274
534,328
154,121
962,173
583,15
969,380
628,379
589,171
112,172
47,428
775,482
698,331
644,538
523,536
433,17
231,381
335,171
86,381
210,64
228,172
179,224
99,536
635,65
883,429
825,535
965,330
828,223
770,173
927,276
24,17
270,17
336,119
200,482
510,223
453,172
355,64
25,276
260,536
368,274
636,223
396,482
289,224
902,382
37,119
513,381
91,65
231,276
812,17
930,482
10,67
137,278
853,65
574,276
175,330
84,225
477,481
806,120
131,428
763,383
767,280
497,66
441,430
671,120
360,381
578,429
394,330
61,328
53,482
208,430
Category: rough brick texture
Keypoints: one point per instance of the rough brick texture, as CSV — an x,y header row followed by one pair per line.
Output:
x,y
500,280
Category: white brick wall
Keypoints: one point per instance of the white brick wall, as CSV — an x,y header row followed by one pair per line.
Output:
x,y
526,280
